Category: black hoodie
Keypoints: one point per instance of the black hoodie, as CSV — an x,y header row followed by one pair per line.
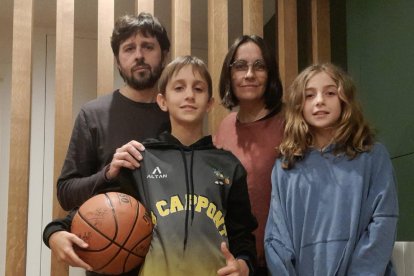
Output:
x,y
188,233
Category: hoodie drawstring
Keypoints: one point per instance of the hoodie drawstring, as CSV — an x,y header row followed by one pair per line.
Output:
x,y
192,187
189,185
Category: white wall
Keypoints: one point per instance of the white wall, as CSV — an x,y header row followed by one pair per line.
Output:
x,y
84,89
42,137
4,157
5,80
38,154
5,86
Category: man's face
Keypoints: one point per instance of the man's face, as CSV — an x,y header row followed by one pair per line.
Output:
x,y
140,61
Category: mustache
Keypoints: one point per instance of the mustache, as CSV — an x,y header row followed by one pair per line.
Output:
x,y
141,64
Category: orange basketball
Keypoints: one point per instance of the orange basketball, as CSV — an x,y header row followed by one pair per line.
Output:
x,y
118,230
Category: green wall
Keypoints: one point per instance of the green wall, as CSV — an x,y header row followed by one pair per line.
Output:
x,y
380,54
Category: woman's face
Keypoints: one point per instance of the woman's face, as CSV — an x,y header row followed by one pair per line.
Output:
x,y
249,74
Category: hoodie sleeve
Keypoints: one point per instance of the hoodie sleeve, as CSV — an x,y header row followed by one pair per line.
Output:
x,y
374,247
79,178
240,222
280,255
60,224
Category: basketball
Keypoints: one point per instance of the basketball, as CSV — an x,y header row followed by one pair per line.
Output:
x,y
118,230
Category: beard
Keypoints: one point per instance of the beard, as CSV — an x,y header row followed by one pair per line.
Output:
x,y
146,79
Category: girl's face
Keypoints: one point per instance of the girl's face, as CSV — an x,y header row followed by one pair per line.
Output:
x,y
248,74
322,105
186,97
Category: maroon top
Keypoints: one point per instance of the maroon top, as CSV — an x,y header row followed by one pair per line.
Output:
x,y
254,144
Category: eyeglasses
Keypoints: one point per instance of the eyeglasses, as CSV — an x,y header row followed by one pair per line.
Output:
x,y
241,65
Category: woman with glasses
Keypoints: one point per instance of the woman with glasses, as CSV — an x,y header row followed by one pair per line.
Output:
x,y
250,81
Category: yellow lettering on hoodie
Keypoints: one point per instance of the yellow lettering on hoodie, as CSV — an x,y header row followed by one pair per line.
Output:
x,y
154,218
188,198
211,210
202,203
176,204
218,219
160,209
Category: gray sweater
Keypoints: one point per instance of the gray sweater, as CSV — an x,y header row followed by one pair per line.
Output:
x,y
102,126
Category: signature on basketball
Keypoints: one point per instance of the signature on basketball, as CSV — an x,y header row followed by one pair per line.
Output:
x,y
85,236
96,217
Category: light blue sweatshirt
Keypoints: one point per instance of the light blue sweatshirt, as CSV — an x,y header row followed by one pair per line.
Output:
x,y
333,216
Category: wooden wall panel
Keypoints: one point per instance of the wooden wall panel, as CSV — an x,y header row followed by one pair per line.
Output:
x,y
253,17
16,245
321,36
63,101
105,56
217,50
288,41
181,44
181,28
144,6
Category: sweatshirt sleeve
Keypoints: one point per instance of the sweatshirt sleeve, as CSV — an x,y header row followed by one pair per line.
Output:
x,y
60,224
240,222
279,252
80,177
373,251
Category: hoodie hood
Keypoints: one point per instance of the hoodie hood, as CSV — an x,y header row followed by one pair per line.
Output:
x,y
167,141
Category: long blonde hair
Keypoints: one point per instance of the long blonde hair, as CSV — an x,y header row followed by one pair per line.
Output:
x,y
352,135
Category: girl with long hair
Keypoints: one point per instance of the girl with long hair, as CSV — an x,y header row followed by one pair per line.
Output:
x,y
334,205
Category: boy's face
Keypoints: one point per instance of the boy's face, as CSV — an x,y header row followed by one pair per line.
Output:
x,y
186,97
140,61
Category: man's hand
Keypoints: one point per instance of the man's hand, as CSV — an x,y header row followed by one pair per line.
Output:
x,y
62,243
233,266
127,156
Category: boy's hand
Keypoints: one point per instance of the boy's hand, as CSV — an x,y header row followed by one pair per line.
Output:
x,y
233,266
61,243
127,156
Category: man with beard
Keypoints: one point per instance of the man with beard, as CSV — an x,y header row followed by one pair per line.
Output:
x,y
106,131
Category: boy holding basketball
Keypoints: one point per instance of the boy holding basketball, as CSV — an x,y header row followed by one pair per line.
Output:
x,y
197,194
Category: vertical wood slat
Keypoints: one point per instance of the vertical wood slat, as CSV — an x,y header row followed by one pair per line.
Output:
x,y
144,6
321,42
105,68
217,50
181,28
16,245
253,17
287,41
63,101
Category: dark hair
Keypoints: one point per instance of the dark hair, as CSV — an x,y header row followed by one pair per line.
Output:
x,y
177,64
143,23
273,92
